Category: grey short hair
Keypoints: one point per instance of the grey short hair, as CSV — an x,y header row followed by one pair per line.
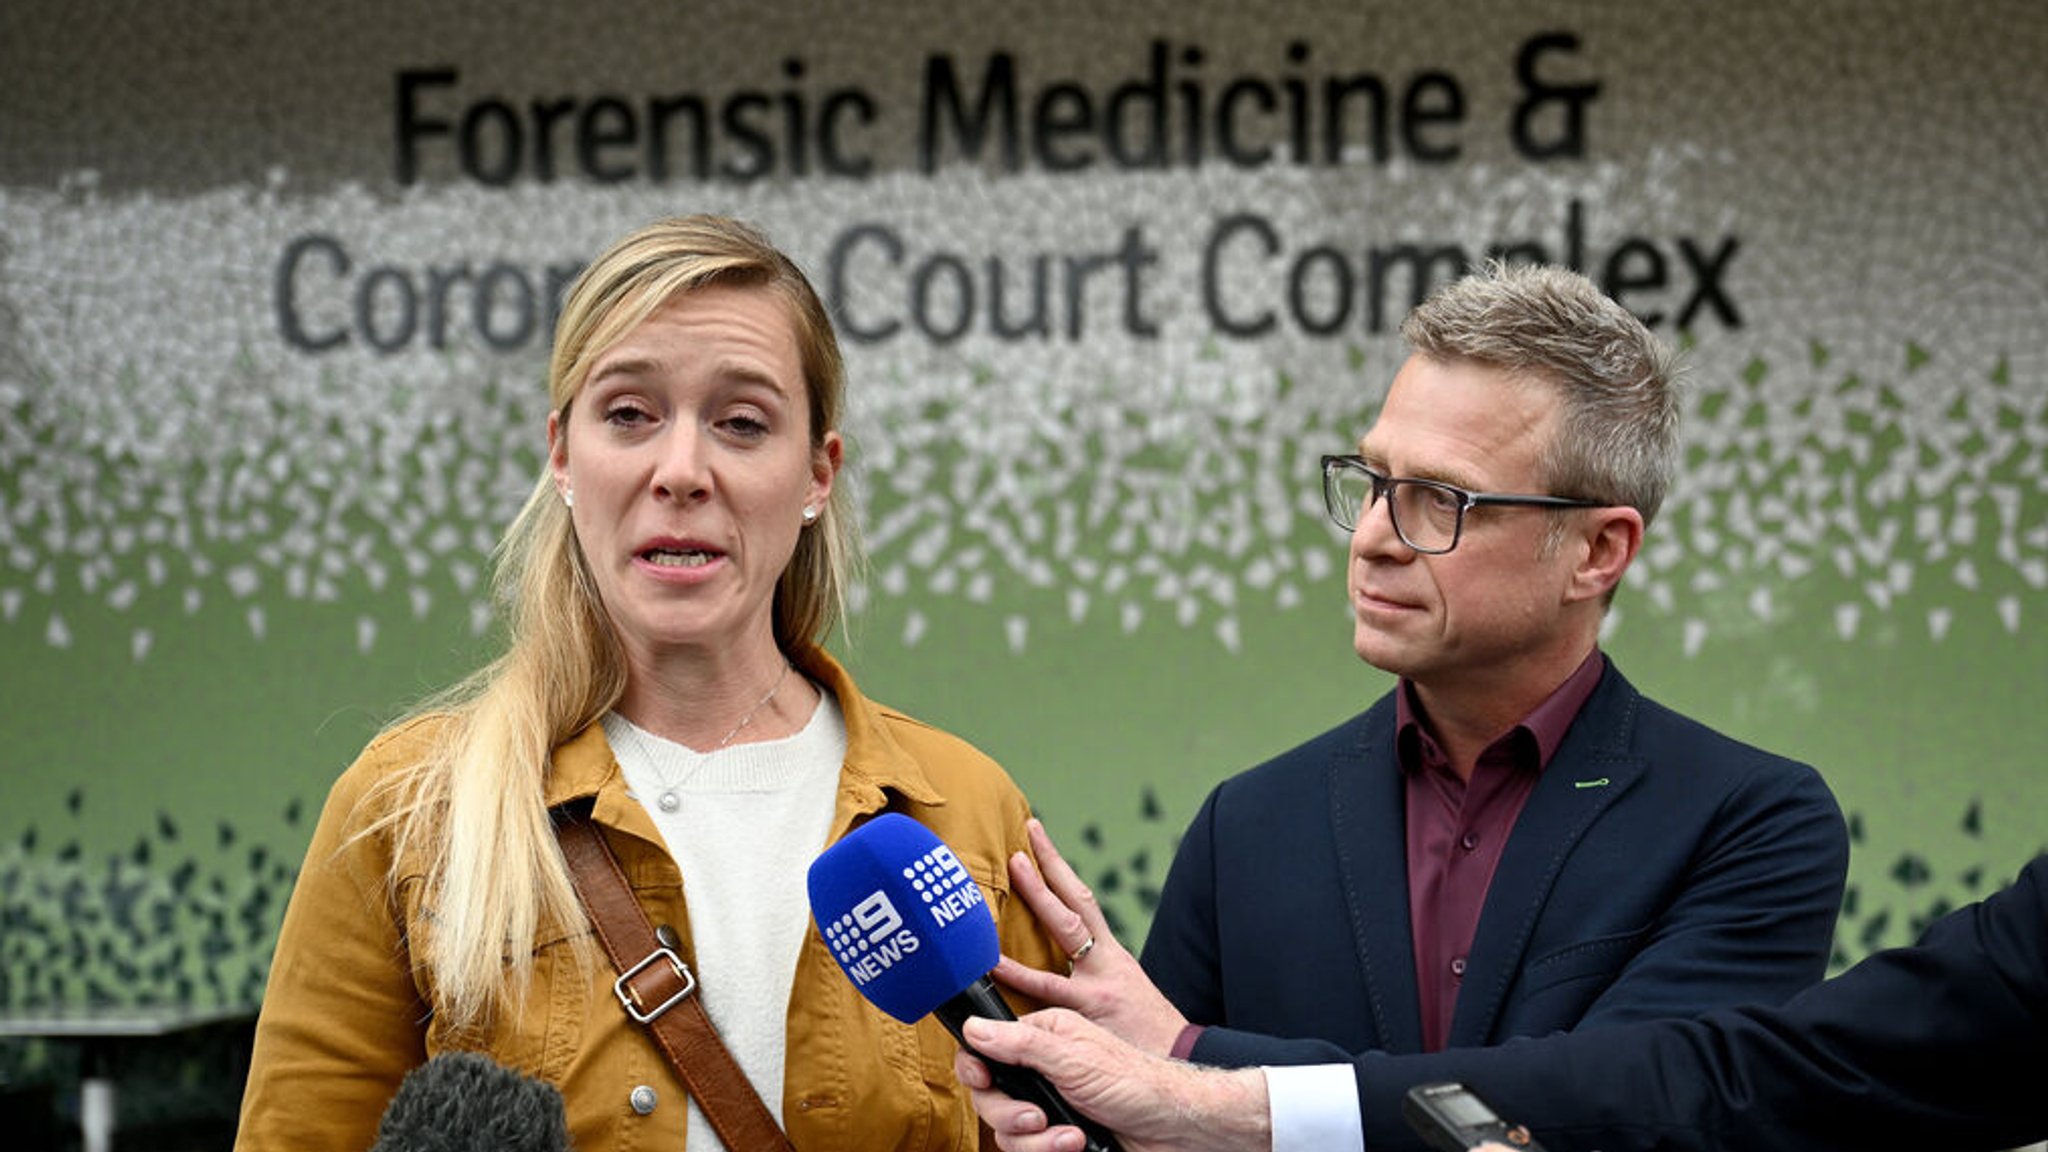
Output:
x,y
1617,437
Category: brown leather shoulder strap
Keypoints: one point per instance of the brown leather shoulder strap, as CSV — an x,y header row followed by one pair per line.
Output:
x,y
658,990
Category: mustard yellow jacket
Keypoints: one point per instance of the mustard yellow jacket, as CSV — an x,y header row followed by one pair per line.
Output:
x,y
346,1015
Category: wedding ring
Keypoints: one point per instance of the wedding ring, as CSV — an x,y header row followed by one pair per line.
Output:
x,y
1086,947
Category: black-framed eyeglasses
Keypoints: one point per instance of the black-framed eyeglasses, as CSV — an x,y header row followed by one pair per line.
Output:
x,y
1428,515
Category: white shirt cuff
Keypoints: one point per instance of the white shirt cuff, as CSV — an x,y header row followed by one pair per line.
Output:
x,y
1314,1108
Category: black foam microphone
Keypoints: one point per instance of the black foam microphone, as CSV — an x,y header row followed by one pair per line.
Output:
x,y
910,928
468,1102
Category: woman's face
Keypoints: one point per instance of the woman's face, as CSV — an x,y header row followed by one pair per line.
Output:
x,y
689,457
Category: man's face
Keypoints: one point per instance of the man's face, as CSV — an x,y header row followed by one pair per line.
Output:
x,y
1495,602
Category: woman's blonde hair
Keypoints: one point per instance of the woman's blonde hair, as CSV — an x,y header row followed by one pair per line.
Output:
x,y
471,813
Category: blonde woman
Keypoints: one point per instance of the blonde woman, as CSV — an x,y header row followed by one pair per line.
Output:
x,y
666,586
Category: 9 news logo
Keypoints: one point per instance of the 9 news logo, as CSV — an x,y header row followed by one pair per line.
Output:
x,y
870,938
943,881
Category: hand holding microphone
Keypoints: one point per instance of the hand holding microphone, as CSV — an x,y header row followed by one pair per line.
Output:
x,y
913,932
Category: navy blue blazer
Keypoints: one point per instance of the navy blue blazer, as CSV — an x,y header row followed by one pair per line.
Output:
x,y
1943,1045
1659,869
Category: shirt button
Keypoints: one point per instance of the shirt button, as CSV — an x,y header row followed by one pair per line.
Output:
x,y
1458,967
668,937
1469,841
643,1099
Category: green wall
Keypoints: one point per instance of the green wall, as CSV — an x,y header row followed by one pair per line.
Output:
x,y
236,534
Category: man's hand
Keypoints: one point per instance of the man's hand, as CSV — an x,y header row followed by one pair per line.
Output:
x,y
1149,1102
1106,984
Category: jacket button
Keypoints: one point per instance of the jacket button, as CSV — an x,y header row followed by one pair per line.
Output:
x,y
668,937
643,1099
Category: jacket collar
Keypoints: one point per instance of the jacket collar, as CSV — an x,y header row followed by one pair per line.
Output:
x,y
1595,767
875,761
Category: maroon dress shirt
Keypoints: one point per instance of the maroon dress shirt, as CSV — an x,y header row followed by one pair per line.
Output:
x,y
1457,829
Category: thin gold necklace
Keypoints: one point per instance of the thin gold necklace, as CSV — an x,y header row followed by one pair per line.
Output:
x,y
669,801
758,705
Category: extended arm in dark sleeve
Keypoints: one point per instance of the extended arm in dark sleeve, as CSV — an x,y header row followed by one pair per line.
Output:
x,y
1940,1045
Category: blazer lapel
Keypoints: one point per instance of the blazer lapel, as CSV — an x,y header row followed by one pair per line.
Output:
x,y
1368,822
1591,770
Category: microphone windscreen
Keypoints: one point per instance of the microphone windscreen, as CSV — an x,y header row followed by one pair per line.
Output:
x,y
902,917
468,1102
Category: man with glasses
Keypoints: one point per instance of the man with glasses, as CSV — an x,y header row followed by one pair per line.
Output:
x,y
1514,841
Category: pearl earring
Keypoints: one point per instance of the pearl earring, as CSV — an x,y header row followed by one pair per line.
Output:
x,y
810,514
568,497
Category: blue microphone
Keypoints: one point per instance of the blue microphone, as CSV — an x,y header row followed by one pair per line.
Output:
x,y
913,932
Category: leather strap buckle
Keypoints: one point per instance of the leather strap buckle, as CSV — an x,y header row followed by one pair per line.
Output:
x,y
629,996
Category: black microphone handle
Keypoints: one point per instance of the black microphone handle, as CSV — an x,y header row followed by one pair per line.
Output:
x,y
981,999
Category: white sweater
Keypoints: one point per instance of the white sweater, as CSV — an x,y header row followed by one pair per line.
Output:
x,y
746,823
